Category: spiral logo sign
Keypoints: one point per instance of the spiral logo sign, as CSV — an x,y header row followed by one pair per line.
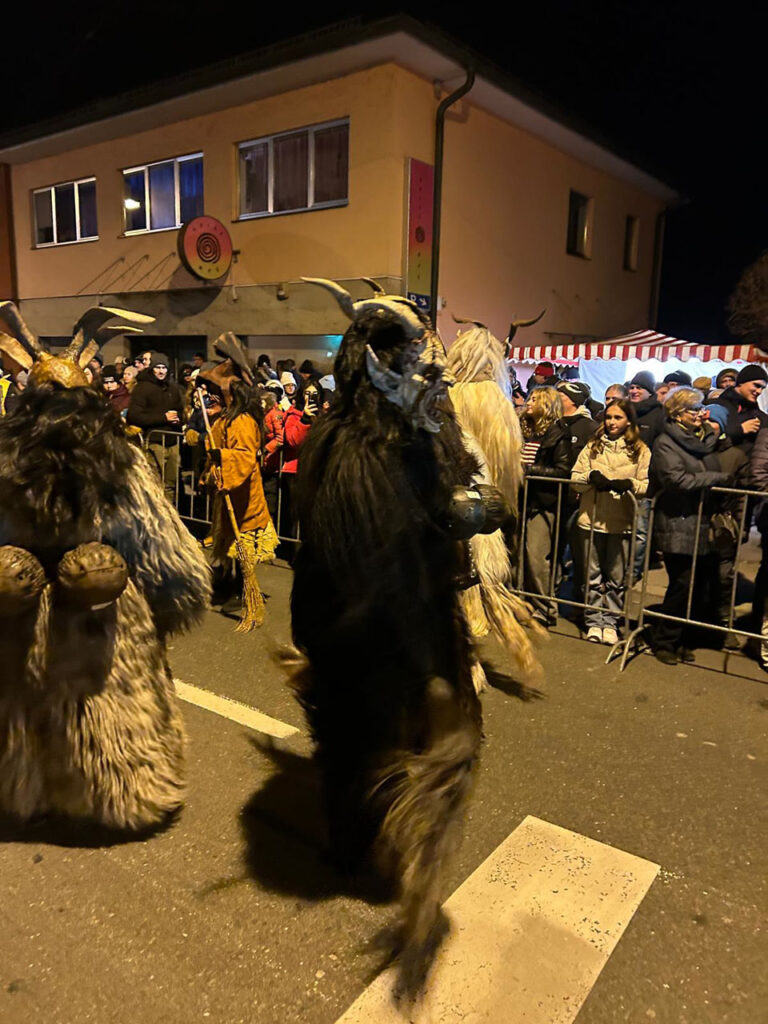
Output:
x,y
205,248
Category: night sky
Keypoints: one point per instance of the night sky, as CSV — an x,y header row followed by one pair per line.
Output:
x,y
679,88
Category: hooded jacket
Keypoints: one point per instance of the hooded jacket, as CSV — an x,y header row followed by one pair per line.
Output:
x,y
682,468
151,399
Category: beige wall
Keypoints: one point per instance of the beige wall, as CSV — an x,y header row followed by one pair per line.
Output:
x,y
505,210
505,206
364,237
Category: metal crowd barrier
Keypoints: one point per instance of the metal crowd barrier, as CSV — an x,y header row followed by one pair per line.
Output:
x,y
193,503
633,641
556,548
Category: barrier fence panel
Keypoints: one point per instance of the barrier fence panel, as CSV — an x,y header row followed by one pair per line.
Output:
x,y
559,539
176,465
647,616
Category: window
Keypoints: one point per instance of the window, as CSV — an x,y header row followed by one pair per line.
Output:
x,y
631,243
579,242
163,195
300,170
65,213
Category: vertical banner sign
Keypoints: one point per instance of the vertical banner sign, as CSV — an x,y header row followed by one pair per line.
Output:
x,y
421,186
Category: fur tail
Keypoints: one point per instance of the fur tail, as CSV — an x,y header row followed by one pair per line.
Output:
x,y
427,795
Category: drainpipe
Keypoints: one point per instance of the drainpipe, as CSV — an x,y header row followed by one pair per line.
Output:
x,y
437,198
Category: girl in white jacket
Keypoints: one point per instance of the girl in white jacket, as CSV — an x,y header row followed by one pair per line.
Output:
x,y
611,466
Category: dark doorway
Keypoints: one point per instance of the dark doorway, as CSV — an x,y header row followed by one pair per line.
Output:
x,y
179,348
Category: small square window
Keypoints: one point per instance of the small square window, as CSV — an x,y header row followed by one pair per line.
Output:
x,y
579,241
631,243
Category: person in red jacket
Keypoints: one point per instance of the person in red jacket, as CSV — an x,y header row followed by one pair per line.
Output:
x,y
272,450
296,426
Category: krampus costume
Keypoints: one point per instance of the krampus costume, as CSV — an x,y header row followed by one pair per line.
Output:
x,y
234,449
388,690
96,570
482,400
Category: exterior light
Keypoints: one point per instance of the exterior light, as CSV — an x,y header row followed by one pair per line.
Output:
x,y
132,204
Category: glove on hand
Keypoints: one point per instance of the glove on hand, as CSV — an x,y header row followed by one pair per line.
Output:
x,y
215,456
620,486
497,510
599,480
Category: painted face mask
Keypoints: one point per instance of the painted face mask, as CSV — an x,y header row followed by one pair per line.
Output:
x,y
418,380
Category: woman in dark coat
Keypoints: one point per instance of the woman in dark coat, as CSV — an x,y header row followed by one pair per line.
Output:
x,y
546,452
684,466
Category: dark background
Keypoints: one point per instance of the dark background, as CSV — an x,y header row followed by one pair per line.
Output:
x,y
678,88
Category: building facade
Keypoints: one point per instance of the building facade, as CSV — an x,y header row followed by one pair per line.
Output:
x,y
306,164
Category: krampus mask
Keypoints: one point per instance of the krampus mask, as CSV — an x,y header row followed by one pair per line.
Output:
x,y
414,377
235,367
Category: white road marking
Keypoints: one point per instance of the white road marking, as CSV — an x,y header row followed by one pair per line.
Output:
x,y
533,927
234,710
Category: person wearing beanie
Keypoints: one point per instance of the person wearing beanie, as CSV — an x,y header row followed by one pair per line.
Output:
x,y
117,393
543,376
288,382
157,406
648,409
678,377
704,385
574,395
307,370
745,417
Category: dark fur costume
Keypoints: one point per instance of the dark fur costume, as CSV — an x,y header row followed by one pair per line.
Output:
x,y
89,725
388,690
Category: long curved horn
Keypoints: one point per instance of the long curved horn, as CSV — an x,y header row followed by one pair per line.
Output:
x,y
523,323
373,284
463,320
13,319
101,337
341,295
92,322
229,346
15,350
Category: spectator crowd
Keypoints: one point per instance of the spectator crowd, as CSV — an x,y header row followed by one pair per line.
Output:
x,y
592,469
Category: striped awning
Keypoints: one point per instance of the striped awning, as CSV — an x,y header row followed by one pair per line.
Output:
x,y
638,345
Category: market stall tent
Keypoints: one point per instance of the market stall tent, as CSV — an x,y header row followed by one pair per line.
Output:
x,y
615,360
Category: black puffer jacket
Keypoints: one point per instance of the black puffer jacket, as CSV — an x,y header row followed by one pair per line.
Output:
x,y
682,466
151,399
553,458
650,419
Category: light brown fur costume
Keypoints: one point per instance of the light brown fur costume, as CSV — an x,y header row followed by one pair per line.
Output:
x,y
482,399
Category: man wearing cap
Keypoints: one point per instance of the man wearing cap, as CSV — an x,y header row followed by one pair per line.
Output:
x,y
745,417
574,395
543,376
648,409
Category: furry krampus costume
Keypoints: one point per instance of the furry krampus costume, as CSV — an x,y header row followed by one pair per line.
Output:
x,y
388,689
242,525
482,399
96,570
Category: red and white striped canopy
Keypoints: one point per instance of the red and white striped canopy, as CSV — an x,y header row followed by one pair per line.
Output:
x,y
638,345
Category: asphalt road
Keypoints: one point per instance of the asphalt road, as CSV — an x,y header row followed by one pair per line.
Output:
x,y
233,915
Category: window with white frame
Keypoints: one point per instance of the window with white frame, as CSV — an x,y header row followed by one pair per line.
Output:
x,y
306,169
65,213
163,195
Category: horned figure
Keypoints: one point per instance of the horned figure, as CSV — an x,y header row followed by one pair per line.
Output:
x,y
385,504
482,400
96,570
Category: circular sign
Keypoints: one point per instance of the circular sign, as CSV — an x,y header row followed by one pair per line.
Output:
x,y
205,248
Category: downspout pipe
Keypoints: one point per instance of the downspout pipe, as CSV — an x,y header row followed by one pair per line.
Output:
x,y
437,197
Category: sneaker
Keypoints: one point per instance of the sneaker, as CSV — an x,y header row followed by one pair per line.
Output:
x,y
731,642
610,636
665,657
595,635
